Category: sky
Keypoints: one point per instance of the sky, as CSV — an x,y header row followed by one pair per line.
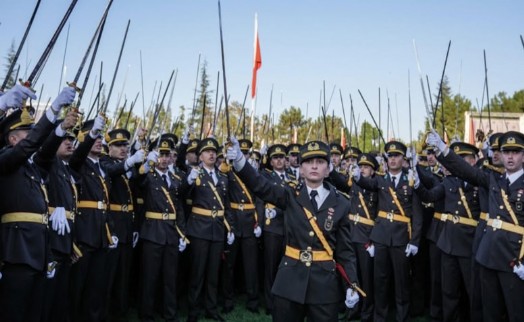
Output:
x,y
351,45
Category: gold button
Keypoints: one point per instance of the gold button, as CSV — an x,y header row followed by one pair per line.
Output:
x,y
311,234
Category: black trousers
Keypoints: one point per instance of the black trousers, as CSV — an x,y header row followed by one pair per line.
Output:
x,y
456,279
289,311
435,271
273,252
502,294
205,265
159,263
249,248
88,287
420,279
391,263
119,266
21,293
365,273
476,292
56,308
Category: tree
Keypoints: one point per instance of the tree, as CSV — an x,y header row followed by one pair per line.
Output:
x,y
201,117
10,58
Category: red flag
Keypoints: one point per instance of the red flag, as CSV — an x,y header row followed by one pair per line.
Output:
x,y
342,138
257,60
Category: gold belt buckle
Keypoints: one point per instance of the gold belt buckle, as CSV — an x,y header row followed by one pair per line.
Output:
x,y
45,219
496,224
456,219
306,257
125,207
100,205
389,216
241,207
214,213
356,218
165,216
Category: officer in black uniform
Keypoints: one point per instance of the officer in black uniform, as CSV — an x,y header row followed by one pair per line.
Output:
x,y
397,230
273,223
24,206
317,238
293,151
93,233
162,232
63,196
336,155
207,226
351,154
247,229
121,170
459,220
501,249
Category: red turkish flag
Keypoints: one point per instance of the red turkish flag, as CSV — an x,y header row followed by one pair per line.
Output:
x,y
257,60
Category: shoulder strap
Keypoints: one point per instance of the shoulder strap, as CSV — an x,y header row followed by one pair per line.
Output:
x,y
318,232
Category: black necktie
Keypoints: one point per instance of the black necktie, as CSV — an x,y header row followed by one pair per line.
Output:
x,y
313,195
283,177
508,183
97,166
164,177
393,179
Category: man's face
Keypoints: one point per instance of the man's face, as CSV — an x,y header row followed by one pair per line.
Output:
x,y
366,170
208,157
163,161
17,136
119,150
471,159
395,161
335,159
314,170
191,157
293,160
352,160
497,158
278,162
432,160
66,148
512,160
97,147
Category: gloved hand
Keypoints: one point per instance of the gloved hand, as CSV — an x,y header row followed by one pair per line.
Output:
x,y
351,298
115,242
98,125
371,250
137,157
136,235
434,139
233,151
355,172
519,270
15,97
263,149
253,163
193,175
230,238
411,250
181,245
59,221
185,136
257,231
414,160
271,213
51,270
152,157
65,98
413,175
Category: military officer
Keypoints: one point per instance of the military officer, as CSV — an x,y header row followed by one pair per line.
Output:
x,y
317,238
293,151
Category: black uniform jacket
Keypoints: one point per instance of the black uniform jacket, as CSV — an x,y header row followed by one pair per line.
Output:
x,y
318,283
201,192
21,182
498,248
275,225
162,232
395,233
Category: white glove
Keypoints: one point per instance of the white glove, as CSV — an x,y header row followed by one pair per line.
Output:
x,y
15,96
230,238
414,160
257,231
185,136
136,235
59,221
115,242
271,213
98,126
51,270
152,157
65,98
233,151
351,298
371,250
252,163
519,270
434,139
411,250
413,175
137,157
181,245
485,145
263,149
193,175
355,172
